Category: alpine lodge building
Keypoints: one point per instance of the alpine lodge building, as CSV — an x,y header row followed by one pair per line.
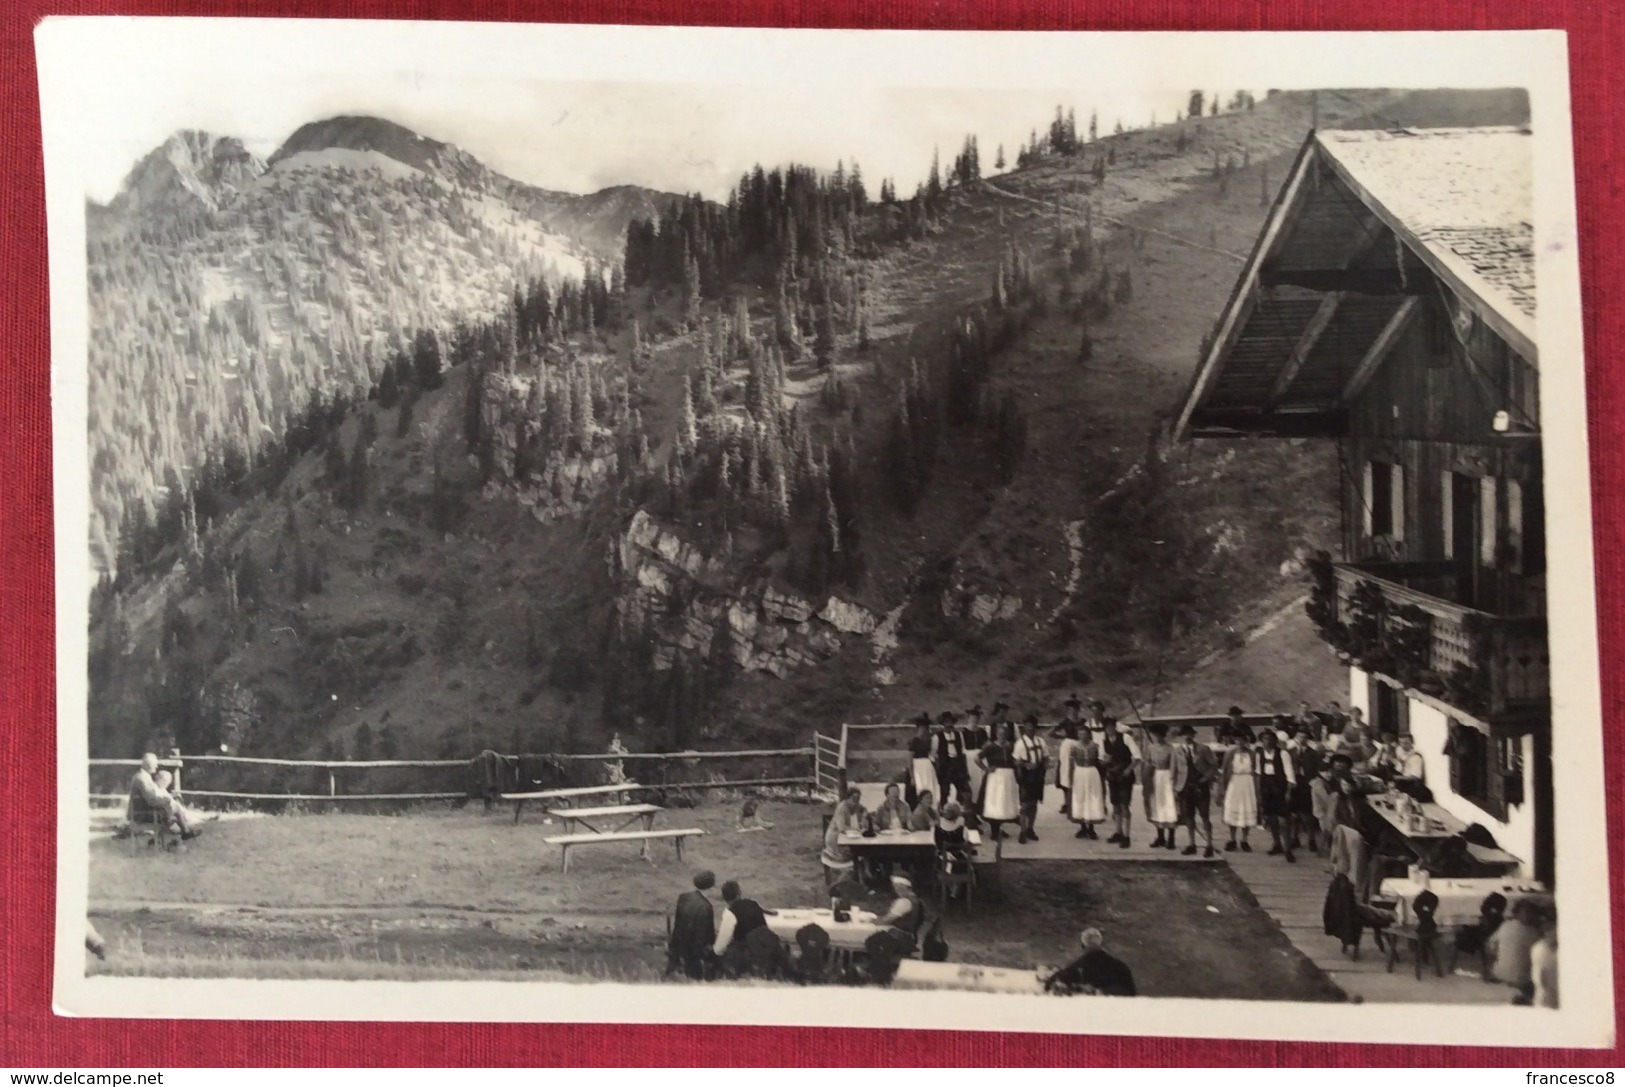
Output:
x,y
1389,306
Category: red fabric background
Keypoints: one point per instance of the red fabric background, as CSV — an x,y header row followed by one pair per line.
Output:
x,y
33,1036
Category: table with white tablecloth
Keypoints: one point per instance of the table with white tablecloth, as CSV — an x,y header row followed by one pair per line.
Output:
x,y
847,935
1459,899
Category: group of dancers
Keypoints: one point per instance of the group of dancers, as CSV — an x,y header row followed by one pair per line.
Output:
x,y
1260,780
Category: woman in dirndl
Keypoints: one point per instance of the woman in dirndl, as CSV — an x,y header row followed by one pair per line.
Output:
x,y
922,772
1240,794
1088,787
1161,804
1068,732
847,819
1001,800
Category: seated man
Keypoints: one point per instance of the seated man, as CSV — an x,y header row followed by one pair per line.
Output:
x,y
151,802
1094,971
741,916
693,931
906,913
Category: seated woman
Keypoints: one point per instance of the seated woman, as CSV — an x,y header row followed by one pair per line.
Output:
x,y
848,818
892,814
924,816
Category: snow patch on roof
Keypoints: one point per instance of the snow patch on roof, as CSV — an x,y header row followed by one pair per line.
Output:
x,y
1466,193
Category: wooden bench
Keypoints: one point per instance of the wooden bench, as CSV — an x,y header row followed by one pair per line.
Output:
x,y
568,794
628,813
565,841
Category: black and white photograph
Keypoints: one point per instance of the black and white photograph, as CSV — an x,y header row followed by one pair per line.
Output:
x,y
1067,532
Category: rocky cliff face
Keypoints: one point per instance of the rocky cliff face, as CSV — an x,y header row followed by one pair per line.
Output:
x,y
561,484
688,600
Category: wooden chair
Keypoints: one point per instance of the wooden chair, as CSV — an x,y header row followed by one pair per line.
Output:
x,y
1423,946
154,829
949,879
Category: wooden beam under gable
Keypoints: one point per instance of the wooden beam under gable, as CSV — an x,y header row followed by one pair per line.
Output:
x,y
1244,296
1300,350
1379,349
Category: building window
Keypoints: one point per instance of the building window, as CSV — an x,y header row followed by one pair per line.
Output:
x,y
1385,500
1478,767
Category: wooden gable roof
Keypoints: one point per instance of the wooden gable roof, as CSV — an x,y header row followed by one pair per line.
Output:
x,y
1368,228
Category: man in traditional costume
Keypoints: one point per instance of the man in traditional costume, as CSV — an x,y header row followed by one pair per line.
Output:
x,y
948,757
1195,767
1031,758
1276,780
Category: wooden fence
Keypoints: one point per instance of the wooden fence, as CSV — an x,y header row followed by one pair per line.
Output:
x,y
235,779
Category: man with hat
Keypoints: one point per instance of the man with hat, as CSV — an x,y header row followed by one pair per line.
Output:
x,y
906,913
1031,758
693,929
948,756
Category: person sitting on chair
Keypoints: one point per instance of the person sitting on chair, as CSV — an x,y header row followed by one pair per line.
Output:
x,y
953,851
892,814
1474,938
924,815
741,916
906,913
151,802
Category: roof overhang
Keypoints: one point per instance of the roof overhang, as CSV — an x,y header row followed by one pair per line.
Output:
x,y
1334,278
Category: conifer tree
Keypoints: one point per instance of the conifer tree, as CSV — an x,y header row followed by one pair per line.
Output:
x,y
687,429
998,161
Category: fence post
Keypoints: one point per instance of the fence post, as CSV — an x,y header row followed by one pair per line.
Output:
x,y
332,789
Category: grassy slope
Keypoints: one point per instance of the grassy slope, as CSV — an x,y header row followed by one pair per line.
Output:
x,y
479,897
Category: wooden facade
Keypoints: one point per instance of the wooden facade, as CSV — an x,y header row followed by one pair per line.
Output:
x,y
1410,344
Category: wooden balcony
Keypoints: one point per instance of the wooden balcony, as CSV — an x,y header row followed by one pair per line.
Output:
x,y
1511,649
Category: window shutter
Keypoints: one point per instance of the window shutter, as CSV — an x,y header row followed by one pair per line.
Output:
x,y
1396,498
1458,756
1367,490
1495,768
1486,512
1515,524
1447,510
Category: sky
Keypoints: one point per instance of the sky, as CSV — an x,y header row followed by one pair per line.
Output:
x,y
578,108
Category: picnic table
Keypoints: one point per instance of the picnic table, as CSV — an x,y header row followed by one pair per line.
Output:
x,y
1459,899
677,836
578,793
915,974
628,813
843,935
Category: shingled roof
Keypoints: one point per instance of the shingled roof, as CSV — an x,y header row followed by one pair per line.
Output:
x,y
1465,195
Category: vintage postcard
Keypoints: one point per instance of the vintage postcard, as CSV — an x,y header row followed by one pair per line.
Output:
x,y
1040,532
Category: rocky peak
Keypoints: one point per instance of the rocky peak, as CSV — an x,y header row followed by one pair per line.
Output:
x,y
191,169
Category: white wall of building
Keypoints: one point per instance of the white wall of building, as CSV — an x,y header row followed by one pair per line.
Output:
x,y
1430,729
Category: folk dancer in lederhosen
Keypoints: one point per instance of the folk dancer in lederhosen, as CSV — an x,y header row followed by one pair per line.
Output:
x,y
1276,780
1157,783
1031,758
1239,790
1088,787
1195,767
922,773
1068,733
1120,765
948,756
1000,801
